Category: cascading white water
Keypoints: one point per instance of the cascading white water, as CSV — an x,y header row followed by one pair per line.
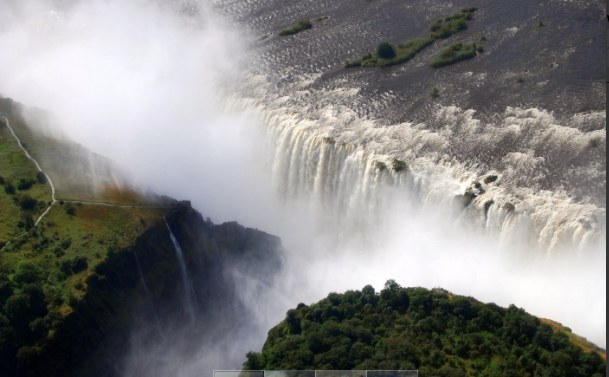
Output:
x,y
340,160
323,152
372,222
189,300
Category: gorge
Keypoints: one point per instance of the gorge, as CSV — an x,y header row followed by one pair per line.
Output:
x,y
494,189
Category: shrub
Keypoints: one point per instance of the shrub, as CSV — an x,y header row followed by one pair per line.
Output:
x,y
26,202
27,272
490,178
387,54
380,166
17,309
399,165
509,207
451,25
435,93
22,308
9,189
329,140
73,266
66,243
594,142
25,184
386,51
41,177
453,54
296,27
69,209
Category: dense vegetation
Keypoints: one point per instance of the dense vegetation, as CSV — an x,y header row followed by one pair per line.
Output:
x,y
454,54
72,287
434,331
388,54
297,27
45,269
24,193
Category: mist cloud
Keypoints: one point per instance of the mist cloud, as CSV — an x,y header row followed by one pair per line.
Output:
x,y
138,82
144,82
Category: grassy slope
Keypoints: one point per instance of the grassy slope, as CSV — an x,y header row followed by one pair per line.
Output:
x,y
15,166
57,256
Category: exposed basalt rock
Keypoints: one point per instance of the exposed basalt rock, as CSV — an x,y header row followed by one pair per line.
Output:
x,y
470,194
490,178
487,207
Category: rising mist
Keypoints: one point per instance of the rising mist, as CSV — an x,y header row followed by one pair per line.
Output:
x,y
146,83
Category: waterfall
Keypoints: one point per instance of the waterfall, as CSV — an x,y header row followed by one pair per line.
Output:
x,y
350,179
148,295
321,149
189,298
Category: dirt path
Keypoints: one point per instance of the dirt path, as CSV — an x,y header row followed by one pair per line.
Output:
x,y
50,181
27,154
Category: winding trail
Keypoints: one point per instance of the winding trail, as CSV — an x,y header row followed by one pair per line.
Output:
x,y
106,204
27,154
53,191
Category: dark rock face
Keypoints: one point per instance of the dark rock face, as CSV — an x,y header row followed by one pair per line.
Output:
x,y
95,339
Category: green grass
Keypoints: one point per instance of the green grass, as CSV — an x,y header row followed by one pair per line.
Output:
x,y
93,231
15,167
77,173
454,54
48,265
296,27
405,51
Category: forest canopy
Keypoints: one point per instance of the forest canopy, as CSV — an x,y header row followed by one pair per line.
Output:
x,y
434,331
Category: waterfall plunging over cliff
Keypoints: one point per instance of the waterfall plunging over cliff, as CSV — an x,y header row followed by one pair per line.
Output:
x,y
189,298
321,149
494,189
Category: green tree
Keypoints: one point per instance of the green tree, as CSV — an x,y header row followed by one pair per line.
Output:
x,y
293,322
386,51
9,188
27,272
26,202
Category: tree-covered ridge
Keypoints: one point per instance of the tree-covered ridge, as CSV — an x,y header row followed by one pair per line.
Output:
x,y
434,331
